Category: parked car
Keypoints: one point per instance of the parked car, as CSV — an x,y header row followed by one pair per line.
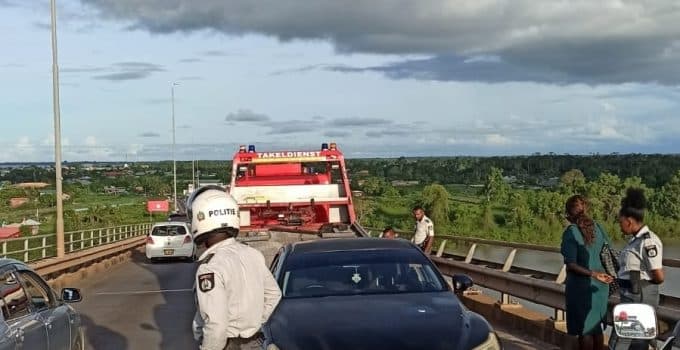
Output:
x,y
33,315
171,239
369,293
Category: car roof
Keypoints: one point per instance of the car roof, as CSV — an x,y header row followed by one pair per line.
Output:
x,y
6,262
345,244
170,223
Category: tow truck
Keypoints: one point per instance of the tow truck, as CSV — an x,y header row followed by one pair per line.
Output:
x,y
286,196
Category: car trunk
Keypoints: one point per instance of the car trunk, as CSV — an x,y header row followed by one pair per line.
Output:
x,y
170,237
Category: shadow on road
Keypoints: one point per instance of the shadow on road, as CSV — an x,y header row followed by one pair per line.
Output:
x,y
174,316
102,338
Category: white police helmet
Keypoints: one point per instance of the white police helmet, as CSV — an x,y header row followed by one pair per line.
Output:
x,y
211,208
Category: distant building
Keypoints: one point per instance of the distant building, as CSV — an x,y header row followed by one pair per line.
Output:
x,y
114,190
398,183
17,202
9,232
32,224
32,185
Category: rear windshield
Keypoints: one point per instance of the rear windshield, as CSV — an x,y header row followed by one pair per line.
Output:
x,y
169,230
359,272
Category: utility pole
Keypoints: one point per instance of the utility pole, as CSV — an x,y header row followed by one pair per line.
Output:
x,y
57,133
193,164
174,160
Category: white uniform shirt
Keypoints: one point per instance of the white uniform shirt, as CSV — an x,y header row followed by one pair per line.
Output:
x,y
235,293
643,253
423,228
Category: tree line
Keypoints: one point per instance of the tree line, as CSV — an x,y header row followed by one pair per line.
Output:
x,y
654,170
499,210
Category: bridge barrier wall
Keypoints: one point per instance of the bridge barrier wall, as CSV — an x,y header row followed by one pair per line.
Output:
x,y
538,287
87,252
40,247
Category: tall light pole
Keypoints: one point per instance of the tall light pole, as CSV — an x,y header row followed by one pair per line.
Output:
x,y
57,133
193,162
174,160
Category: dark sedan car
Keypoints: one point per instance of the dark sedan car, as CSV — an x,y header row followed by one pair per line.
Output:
x,y
369,293
33,316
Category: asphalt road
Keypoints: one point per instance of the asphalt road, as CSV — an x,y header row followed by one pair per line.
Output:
x,y
140,305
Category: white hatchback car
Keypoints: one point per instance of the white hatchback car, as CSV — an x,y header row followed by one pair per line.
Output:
x,y
171,239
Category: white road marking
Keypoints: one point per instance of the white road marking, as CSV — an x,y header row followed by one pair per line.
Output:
x,y
146,292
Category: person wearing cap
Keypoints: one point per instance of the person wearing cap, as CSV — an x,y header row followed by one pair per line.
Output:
x,y
235,292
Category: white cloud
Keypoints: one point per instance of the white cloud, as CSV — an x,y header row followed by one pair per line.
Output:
x,y
497,140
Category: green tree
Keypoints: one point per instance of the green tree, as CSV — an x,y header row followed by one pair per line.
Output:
x,y
495,188
573,182
520,216
374,186
435,200
605,196
666,202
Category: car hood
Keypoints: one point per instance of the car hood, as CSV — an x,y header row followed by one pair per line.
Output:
x,y
387,321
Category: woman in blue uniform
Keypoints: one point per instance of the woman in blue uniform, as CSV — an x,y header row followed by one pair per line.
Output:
x,y
587,286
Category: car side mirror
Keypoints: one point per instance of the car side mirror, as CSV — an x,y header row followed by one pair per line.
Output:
x,y
71,295
461,283
635,321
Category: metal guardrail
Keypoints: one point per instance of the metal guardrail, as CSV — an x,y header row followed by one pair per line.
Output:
x,y
549,293
34,248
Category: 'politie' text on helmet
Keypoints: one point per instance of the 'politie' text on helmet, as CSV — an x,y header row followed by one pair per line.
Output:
x,y
211,208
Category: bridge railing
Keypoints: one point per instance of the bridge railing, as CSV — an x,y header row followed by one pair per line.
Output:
x,y
34,248
533,285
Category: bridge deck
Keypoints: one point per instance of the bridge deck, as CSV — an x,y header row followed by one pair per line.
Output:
x,y
138,305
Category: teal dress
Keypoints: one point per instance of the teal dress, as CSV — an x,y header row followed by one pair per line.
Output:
x,y
586,297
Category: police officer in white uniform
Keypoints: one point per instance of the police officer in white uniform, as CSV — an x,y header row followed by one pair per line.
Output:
x,y
235,292
641,262
423,235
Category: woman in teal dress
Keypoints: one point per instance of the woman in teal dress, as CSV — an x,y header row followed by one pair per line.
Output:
x,y
587,287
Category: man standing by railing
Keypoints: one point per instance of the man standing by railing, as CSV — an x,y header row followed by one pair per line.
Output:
x,y
423,235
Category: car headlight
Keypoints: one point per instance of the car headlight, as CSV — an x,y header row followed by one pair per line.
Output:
x,y
491,343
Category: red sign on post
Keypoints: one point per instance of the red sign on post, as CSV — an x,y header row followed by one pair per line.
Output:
x,y
157,206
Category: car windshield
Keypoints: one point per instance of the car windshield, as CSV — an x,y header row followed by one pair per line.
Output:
x,y
359,272
168,230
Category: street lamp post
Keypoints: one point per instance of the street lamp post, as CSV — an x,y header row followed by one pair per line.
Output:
x,y
174,160
57,133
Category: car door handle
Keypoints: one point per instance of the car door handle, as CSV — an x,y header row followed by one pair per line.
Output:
x,y
48,322
20,336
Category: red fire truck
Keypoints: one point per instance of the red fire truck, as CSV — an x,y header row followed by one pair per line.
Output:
x,y
306,190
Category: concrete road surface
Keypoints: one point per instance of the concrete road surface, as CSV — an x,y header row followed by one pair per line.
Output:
x,y
140,305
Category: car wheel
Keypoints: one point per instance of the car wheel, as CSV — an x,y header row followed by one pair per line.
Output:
x,y
79,344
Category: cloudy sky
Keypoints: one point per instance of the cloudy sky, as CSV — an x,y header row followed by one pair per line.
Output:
x,y
380,77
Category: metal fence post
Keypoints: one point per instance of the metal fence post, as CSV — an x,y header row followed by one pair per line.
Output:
x,y
440,252
4,249
44,247
70,243
471,253
82,240
26,250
